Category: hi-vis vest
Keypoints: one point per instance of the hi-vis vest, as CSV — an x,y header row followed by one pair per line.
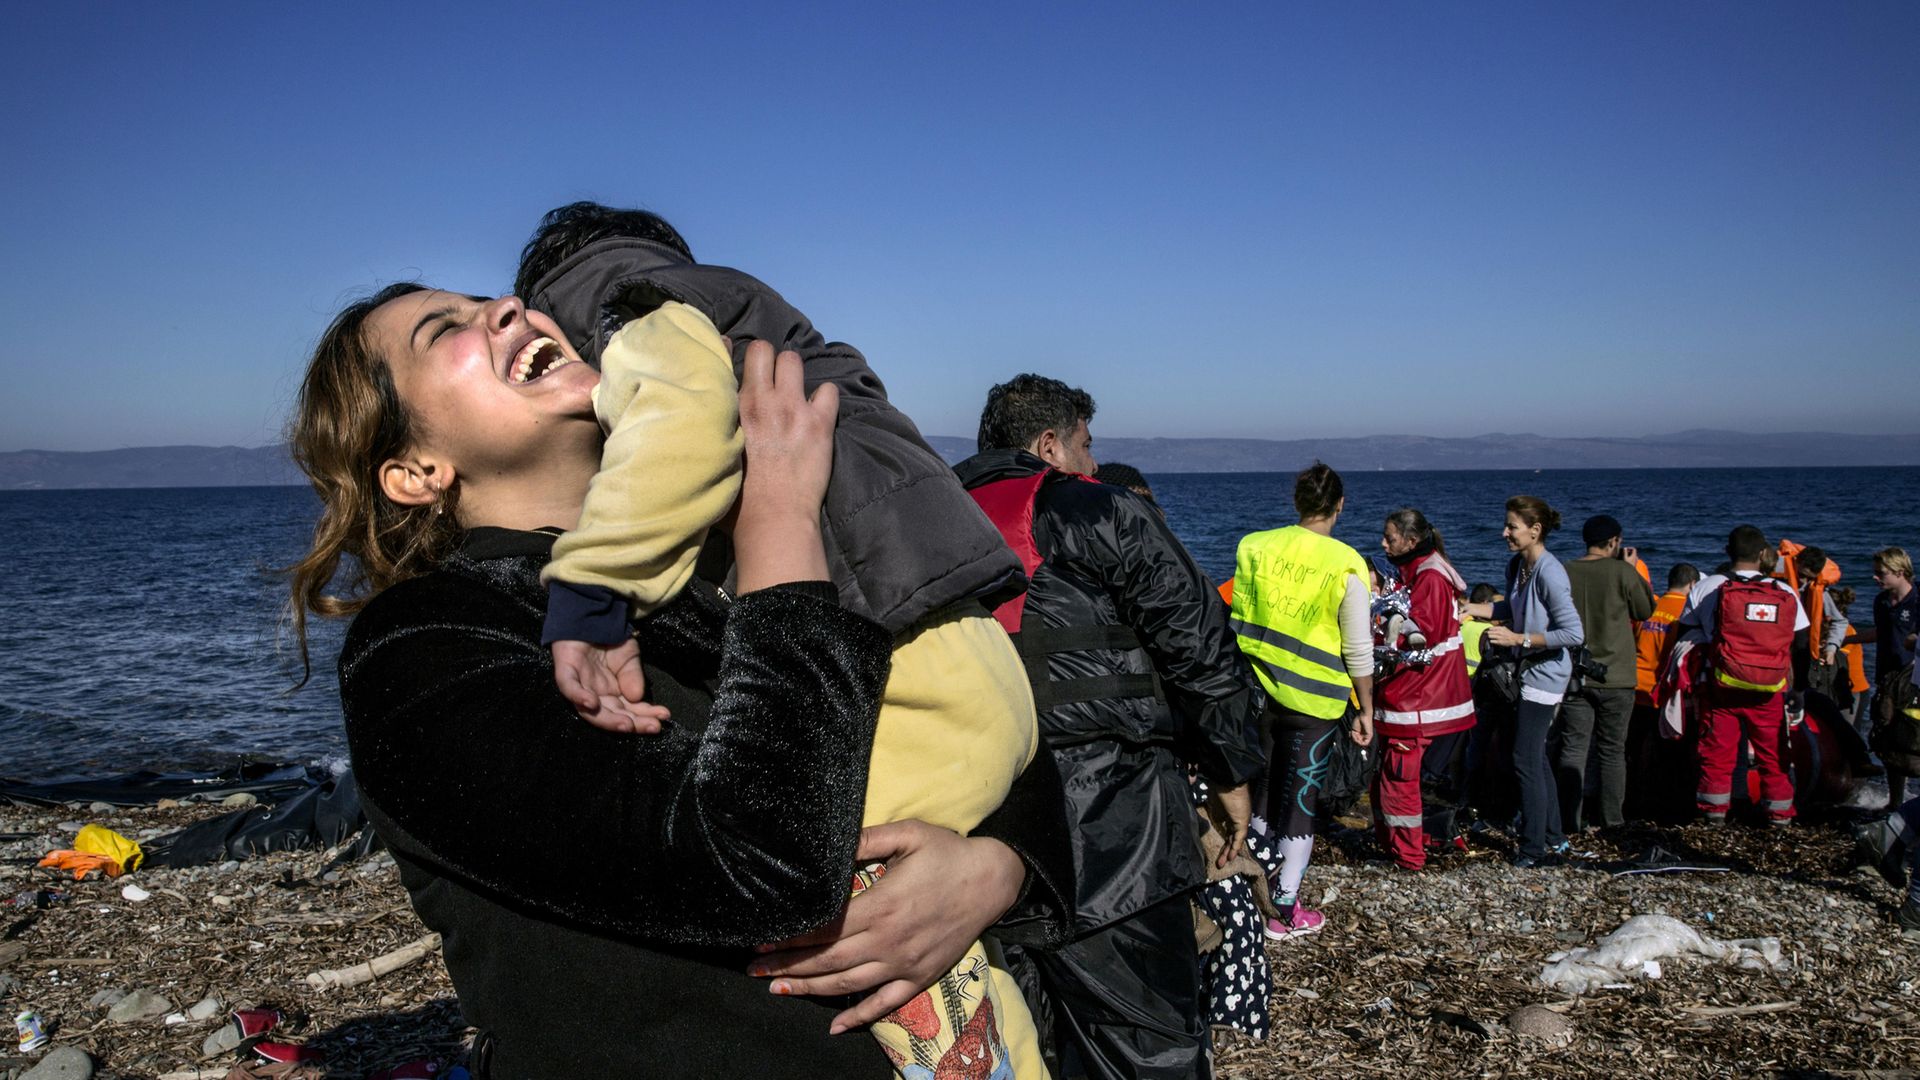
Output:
x,y
1286,612
1473,633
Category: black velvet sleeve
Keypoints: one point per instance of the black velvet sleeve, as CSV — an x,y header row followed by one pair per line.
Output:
x,y
735,826
1033,822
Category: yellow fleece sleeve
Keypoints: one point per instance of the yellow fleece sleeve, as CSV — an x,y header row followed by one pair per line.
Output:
x,y
672,462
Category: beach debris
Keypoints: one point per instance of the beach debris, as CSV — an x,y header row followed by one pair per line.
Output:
x,y
1635,949
1461,1022
32,1033
8,984
100,840
1540,1022
376,967
37,898
1380,1007
135,893
240,799
139,1004
1710,1012
81,863
286,1053
244,1025
62,1063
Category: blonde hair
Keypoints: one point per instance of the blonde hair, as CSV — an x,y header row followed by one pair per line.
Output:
x,y
347,421
1893,560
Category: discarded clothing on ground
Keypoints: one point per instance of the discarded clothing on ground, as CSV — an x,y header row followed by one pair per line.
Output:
x,y
1634,951
100,840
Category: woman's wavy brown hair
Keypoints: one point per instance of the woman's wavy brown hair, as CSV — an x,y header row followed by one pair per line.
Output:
x,y
347,421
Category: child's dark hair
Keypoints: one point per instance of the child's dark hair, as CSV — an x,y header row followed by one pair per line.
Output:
x,y
1481,593
1535,511
1810,561
1682,576
566,229
1317,491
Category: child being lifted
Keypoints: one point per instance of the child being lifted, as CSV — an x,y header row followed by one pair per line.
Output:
x,y
905,545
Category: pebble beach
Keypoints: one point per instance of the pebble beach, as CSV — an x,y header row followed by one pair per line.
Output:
x,y
1431,974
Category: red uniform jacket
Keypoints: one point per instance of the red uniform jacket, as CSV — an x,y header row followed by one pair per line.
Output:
x,y
1436,699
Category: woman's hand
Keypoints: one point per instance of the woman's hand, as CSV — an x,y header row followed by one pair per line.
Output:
x,y
940,892
1500,635
789,455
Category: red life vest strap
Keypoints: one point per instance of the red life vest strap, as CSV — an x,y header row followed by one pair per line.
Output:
x,y
1009,505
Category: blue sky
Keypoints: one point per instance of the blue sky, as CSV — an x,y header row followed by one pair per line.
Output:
x,y
1248,220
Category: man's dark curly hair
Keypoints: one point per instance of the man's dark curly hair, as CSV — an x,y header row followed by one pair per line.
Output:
x,y
566,229
1022,408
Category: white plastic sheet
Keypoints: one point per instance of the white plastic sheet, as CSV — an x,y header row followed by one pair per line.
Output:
x,y
1634,951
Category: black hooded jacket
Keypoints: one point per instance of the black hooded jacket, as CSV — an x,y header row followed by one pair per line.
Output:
x,y
1109,560
598,893
903,540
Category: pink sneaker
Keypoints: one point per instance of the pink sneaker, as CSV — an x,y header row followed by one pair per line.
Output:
x,y
1299,922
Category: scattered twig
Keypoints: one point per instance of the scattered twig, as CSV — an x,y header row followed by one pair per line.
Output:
x,y
1705,1011
376,967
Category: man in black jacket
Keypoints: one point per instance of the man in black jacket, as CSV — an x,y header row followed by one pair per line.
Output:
x,y
1135,673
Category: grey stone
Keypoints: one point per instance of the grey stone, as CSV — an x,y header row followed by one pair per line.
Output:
x,y
1540,1022
240,799
205,1009
141,1004
8,984
107,998
62,1063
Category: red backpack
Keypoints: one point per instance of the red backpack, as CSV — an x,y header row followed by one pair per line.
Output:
x,y
1753,635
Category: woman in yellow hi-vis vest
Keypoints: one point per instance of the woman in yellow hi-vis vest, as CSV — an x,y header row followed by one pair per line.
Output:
x,y
1300,609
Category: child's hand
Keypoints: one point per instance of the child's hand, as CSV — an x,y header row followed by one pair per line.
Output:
x,y
605,685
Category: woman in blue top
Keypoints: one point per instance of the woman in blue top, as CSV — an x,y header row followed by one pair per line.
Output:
x,y
1541,623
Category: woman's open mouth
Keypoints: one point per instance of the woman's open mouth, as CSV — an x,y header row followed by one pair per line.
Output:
x,y
537,359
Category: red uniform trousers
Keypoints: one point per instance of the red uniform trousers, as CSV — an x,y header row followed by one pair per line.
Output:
x,y
1399,815
1761,719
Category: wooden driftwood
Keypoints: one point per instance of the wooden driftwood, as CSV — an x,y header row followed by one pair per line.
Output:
x,y
1704,1011
376,967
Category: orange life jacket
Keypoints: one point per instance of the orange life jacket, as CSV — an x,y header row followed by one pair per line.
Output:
x,y
1654,641
1816,600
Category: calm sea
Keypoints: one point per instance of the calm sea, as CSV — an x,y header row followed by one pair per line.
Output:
x,y
143,629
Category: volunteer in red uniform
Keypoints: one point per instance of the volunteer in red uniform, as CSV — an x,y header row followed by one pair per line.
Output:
x,y
1753,627
1419,701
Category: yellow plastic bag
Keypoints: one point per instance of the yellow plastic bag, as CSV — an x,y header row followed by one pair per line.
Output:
x,y
100,840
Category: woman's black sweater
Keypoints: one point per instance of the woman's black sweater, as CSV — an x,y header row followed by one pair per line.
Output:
x,y
597,893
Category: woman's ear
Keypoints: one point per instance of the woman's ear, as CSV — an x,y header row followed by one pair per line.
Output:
x,y
415,481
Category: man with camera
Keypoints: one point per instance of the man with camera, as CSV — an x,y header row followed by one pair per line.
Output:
x,y
1611,597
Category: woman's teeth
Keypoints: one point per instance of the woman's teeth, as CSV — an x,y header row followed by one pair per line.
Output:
x,y
538,358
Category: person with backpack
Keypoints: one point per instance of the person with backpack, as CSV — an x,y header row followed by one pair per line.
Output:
x,y
1753,629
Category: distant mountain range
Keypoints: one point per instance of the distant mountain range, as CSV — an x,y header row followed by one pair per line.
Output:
x,y
265,466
